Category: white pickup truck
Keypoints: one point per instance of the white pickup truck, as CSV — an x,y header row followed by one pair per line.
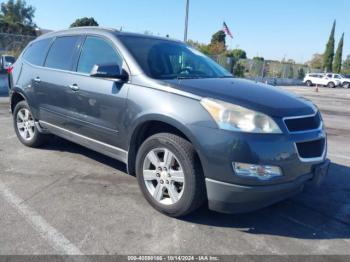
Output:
x,y
330,80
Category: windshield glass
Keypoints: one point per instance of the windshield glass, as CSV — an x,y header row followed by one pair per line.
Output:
x,y
162,59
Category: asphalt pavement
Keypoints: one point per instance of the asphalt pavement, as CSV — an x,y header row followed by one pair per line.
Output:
x,y
65,199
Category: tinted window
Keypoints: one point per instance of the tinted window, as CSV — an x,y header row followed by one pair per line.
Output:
x,y
97,51
163,59
36,52
10,59
62,52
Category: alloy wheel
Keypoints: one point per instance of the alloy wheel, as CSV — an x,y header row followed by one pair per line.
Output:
x,y
25,124
163,176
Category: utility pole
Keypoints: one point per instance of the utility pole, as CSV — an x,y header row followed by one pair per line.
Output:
x,y
186,19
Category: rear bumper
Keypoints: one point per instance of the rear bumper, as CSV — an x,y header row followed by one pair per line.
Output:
x,y
231,198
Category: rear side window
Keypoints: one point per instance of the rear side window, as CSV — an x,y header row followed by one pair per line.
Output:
x,y
62,52
36,52
97,51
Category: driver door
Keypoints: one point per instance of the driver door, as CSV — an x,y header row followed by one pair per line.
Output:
x,y
99,104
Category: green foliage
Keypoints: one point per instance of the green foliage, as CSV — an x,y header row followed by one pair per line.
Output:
x,y
16,17
85,21
216,47
219,37
301,73
346,65
329,53
237,54
338,56
316,62
238,70
258,59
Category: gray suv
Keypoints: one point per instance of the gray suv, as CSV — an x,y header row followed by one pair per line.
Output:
x,y
190,132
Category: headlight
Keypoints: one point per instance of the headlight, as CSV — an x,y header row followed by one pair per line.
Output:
x,y
236,118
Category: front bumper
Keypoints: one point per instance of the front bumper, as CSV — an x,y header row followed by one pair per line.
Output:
x,y
231,198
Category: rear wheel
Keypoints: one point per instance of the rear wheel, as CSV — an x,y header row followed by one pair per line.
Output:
x,y
308,83
346,84
169,174
25,128
331,85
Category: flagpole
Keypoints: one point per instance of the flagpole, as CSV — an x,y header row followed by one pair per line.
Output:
x,y
186,19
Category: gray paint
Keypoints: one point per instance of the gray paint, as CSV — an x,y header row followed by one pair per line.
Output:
x,y
104,114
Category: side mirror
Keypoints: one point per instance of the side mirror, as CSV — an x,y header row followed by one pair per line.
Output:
x,y
108,71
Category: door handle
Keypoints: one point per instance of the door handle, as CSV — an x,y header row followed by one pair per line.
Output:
x,y
37,80
74,87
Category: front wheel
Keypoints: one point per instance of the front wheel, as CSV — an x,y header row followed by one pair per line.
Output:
x,y
169,174
346,84
331,85
308,83
25,128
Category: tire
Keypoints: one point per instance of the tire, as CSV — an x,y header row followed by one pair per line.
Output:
x,y
308,83
190,194
331,85
346,84
25,127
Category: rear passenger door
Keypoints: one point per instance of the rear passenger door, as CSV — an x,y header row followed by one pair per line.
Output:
x,y
54,96
98,103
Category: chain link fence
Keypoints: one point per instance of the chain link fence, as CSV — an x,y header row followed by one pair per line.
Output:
x,y
272,72
13,44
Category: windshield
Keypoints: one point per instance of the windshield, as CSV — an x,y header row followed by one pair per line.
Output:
x,y
162,59
9,59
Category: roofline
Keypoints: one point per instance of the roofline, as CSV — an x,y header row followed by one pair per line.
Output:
x,y
102,29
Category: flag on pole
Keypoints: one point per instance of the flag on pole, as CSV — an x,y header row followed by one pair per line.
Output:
x,y
227,30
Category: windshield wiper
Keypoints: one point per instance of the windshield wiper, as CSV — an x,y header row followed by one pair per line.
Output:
x,y
226,77
188,77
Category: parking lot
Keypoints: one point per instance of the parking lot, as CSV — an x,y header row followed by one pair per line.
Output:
x,y
65,199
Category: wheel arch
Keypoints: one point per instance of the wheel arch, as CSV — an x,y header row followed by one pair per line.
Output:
x,y
153,124
16,97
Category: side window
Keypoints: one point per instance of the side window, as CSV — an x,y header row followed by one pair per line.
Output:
x,y
62,52
329,75
97,51
36,52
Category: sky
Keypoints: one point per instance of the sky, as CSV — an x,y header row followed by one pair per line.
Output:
x,y
274,29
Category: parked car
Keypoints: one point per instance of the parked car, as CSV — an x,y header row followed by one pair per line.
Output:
x,y
322,79
188,130
344,80
6,61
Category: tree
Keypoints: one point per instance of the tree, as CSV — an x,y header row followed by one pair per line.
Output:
x,y
215,48
346,65
85,21
258,59
338,56
16,17
316,62
329,53
237,54
301,73
219,37
238,70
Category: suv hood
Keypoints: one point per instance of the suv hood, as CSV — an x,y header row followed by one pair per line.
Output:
x,y
259,97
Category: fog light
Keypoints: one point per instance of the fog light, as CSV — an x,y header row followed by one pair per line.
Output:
x,y
258,171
